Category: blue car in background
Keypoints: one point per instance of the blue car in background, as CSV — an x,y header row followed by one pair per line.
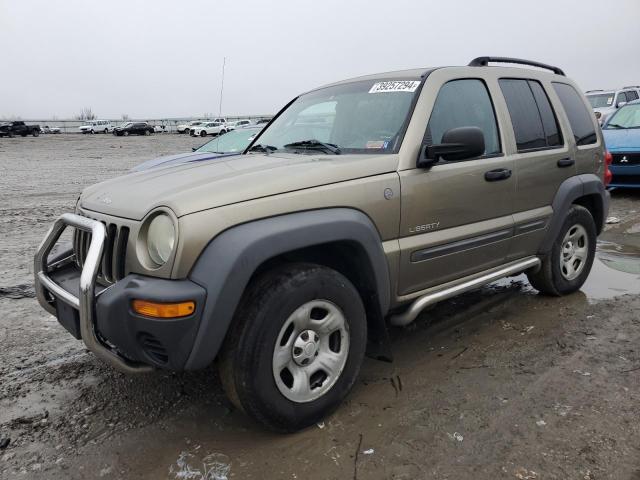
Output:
x,y
622,138
228,144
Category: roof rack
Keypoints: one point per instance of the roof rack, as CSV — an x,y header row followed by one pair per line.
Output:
x,y
484,61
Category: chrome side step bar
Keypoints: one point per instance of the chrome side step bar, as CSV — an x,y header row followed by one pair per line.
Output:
x,y
411,313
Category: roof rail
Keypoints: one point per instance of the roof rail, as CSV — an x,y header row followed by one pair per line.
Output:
x,y
484,61
632,86
591,91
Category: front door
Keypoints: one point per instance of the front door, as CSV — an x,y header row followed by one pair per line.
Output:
x,y
456,217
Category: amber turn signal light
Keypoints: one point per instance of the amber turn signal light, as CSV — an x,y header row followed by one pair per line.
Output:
x,y
163,310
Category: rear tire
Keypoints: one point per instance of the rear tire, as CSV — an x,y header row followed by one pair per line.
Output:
x,y
147,132
106,130
126,134
295,347
565,269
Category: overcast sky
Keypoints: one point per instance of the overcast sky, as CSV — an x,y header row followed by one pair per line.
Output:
x,y
163,58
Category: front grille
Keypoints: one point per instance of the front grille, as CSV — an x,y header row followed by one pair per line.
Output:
x,y
112,266
626,159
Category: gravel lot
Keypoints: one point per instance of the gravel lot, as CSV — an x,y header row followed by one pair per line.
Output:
x,y
498,383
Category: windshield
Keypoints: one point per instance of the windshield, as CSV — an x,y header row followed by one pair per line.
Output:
x,y
360,117
230,142
626,117
601,100
128,124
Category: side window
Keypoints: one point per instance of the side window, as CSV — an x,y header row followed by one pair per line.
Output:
x,y
632,95
621,98
549,120
524,113
580,119
464,103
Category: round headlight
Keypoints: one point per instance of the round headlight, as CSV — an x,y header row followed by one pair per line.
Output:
x,y
161,238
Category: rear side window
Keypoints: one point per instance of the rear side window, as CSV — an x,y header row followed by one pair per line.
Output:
x,y
579,117
534,123
464,103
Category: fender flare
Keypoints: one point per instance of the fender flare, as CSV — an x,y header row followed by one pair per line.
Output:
x,y
569,191
226,265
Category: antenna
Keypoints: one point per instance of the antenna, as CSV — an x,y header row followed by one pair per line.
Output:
x,y
224,61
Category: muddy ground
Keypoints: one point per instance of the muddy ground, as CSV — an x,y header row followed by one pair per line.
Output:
x,y
498,383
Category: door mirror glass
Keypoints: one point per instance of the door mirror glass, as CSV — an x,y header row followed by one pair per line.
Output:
x,y
461,143
621,104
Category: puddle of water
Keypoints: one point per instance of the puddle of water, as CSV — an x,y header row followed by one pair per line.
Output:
x,y
615,272
191,466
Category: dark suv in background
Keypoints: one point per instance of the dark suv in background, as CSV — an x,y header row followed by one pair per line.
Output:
x,y
133,128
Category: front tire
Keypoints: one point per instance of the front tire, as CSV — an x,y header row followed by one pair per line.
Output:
x,y
147,132
35,133
126,134
203,133
295,347
565,269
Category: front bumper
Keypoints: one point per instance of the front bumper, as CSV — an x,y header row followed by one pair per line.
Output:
x,y
102,316
625,176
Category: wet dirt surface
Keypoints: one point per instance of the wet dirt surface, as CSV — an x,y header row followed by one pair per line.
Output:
x,y
498,383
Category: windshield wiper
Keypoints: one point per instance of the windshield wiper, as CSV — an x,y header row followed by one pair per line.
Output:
x,y
315,145
615,125
258,147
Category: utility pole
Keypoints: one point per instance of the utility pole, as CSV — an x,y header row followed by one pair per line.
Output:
x,y
224,61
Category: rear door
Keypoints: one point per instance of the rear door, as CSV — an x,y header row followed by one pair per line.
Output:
x,y
455,222
543,159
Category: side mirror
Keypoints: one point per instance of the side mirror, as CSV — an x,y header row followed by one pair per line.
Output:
x,y
621,104
460,143
193,149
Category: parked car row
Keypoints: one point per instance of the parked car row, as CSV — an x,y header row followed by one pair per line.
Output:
x,y
217,126
606,102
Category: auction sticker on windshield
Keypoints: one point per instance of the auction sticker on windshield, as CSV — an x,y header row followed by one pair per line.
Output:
x,y
395,86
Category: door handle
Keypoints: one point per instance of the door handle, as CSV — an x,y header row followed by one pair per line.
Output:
x,y
565,162
498,174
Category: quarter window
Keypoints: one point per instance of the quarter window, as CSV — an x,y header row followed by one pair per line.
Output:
x,y
534,123
464,103
580,119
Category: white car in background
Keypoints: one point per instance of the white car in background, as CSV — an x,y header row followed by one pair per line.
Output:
x,y
96,126
239,123
210,128
186,127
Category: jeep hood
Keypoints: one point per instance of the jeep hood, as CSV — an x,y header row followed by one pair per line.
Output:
x,y
192,187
